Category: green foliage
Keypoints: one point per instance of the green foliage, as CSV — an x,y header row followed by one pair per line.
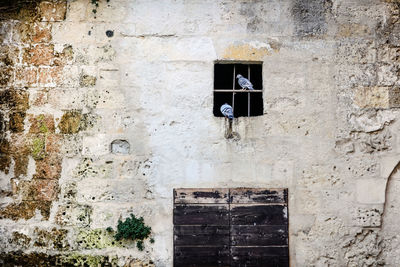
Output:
x,y
109,229
38,146
96,5
133,228
140,245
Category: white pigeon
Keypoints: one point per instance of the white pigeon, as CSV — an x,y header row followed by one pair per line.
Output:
x,y
244,83
227,111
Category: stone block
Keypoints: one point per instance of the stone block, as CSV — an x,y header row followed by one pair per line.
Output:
x,y
6,76
65,99
372,97
43,123
387,75
26,77
104,98
388,163
304,223
53,143
351,30
86,80
306,202
49,76
368,217
16,121
74,215
46,190
169,49
69,78
76,11
71,145
96,145
9,55
70,122
394,97
17,100
41,33
62,31
52,11
349,76
371,120
371,191
48,168
40,54
38,189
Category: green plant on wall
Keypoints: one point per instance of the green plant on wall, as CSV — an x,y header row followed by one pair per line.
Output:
x,y
133,229
96,5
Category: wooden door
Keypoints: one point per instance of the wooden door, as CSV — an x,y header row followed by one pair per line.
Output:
x,y
241,227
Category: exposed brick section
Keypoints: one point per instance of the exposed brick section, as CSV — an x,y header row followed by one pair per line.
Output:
x,y
394,97
5,159
6,76
43,123
30,62
14,99
70,122
9,55
26,210
53,142
44,189
40,54
52,11
41,32
49,76
48,168
19,151
16,121
26,76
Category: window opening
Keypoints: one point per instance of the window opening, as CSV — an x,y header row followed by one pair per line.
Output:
x,y
245,103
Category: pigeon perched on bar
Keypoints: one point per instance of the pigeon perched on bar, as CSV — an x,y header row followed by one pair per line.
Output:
x,y
227,111
244,83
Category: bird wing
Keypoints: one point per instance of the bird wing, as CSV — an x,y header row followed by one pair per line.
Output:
x,y
244,83
227,111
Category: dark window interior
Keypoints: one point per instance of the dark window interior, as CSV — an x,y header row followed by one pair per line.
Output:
x,y
244,102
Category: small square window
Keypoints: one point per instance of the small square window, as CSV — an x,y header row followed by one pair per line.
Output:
x,y
245,103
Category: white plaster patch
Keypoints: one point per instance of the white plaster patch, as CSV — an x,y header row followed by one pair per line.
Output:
x,y
371,191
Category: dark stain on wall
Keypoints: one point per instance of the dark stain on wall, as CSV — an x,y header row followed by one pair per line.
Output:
x,y
18,9
310,17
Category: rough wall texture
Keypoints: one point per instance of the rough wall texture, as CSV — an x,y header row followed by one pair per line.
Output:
x,y
106,108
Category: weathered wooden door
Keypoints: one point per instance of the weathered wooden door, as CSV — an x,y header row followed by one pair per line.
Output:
x,y
243,227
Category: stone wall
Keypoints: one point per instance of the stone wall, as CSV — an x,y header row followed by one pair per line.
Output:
x,y
106,106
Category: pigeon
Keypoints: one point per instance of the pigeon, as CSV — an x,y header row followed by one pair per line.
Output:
x,y
227,111
244,83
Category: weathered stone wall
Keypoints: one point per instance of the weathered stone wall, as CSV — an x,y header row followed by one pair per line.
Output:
x,y
105,108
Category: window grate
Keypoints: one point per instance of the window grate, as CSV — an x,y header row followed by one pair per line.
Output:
x,y
245,103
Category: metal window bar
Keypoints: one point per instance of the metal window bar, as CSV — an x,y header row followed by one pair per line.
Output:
x,y
233,90
237,91
248,95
